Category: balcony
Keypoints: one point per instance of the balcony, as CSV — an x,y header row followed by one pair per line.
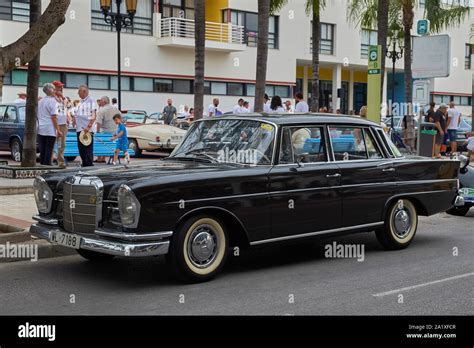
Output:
x,y
179,32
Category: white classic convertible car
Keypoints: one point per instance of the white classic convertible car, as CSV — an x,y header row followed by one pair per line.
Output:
x,y
144,135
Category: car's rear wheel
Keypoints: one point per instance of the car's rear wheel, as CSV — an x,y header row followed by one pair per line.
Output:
x,y
401,223
198,249
459,211
133,145
94,256
15,149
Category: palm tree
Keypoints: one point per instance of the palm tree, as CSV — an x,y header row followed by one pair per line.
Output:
x,y
29,144
382,33
262,53
199,56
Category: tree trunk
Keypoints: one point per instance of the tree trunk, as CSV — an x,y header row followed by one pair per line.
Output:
x,y
262,53
382,28
27,47
29,139
407,25
316,37
199,57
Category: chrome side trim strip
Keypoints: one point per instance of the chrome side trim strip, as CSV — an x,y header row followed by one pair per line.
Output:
x,y
342,229
133,236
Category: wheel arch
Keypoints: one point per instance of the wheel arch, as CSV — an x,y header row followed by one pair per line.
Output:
x,y
237,233
13,137
419,206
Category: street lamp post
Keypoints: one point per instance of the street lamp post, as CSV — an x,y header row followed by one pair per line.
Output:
x,y
119,21
394,55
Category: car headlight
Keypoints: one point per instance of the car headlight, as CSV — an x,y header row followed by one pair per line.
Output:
x,y
464,161
129,207
43,195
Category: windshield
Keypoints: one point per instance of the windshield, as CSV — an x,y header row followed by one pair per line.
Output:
x,y
135,118
229,141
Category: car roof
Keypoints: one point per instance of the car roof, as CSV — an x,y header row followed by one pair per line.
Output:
x,y
302,118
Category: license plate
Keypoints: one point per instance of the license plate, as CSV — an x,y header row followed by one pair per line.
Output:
x,y
65,239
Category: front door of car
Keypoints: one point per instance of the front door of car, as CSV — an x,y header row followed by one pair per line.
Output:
x,y
303,185
367,177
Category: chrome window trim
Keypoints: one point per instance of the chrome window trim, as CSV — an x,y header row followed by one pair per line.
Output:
x,y
387,151
309,234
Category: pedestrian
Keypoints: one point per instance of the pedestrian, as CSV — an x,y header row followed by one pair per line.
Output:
x,y
246,107
276,105
21,98
289,107
363,112
84,122
169,112
48,127
338,112
469,143
185,113
213,109
429,115
452,125
122,139
267,103
440,127
105,121
301,105
115,103
191,115
63,122
239,108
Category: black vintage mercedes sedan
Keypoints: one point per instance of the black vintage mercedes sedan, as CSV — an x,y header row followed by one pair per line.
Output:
x,y
246,181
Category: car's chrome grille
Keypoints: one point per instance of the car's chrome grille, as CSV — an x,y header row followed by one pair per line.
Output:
x,y
82,203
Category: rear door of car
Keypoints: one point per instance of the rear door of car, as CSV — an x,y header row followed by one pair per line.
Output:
x,y
367,175
10,124
303,185
3,134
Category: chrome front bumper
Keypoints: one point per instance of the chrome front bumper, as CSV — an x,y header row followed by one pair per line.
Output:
x,y
459,201
96,243
165,145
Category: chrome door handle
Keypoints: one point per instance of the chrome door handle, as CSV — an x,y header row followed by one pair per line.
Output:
x,y
388,170
337,175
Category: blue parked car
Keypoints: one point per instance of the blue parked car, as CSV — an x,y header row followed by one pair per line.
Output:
x,y
12,128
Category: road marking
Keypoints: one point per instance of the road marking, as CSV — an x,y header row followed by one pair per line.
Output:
x,y
396,291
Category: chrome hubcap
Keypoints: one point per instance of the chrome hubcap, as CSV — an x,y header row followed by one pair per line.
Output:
x,y
402,223
202,246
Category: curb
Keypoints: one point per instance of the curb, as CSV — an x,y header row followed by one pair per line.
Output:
x,y
18,190
45,250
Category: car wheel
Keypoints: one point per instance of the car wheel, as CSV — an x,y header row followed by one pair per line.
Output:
x,y
94,256
459,211
133,145
400,225
16,148
198,249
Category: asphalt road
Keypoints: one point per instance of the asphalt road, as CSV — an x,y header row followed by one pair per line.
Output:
x,y
432,280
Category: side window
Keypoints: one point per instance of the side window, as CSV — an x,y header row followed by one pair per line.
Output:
x,y
10,115
3,108
372,149
348,143
384,140
22,113
303,144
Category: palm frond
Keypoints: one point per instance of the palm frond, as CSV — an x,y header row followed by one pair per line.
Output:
x,y
314,6
444,14
277,5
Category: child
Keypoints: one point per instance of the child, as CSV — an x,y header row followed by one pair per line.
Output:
x,y
469,143
122,140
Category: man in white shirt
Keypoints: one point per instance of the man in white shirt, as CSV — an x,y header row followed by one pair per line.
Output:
x,y
115,103
63,122
266,106
289,107
21,98
48,127
84,120
454,119
213,109
239,108
105,120
301,105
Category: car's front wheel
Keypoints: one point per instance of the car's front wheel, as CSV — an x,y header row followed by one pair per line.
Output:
x,y
198,249
400,225
16,148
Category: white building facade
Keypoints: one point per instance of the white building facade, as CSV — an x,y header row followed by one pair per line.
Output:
x,y
158,55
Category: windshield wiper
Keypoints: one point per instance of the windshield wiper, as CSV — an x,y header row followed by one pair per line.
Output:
x,y
198,152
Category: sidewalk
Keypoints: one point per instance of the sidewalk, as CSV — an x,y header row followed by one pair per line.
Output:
x,y
15,186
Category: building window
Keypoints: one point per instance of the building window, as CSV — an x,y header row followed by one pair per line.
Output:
x,y
369,38
250,90
98,82
282,91
7,79
458,100
177,8
182,86
207,87
142,21
48,76
142,84
249,21
327,39
19,77
235,89
75,80
125,83
162,85
467,57
219,88
18,10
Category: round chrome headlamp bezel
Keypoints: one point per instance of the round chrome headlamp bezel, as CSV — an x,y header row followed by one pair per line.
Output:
x,y
464,161
43,195
129,207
